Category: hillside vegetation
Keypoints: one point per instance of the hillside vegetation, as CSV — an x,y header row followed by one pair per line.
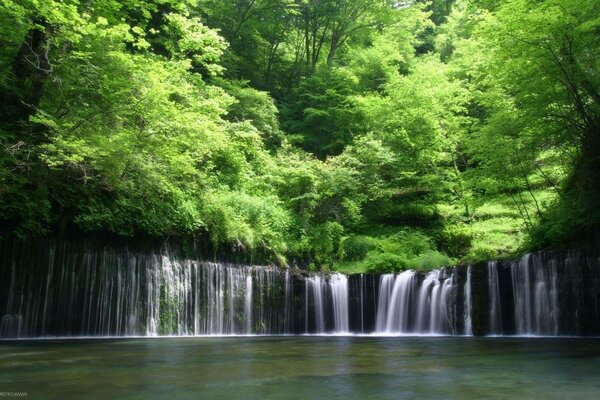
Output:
x,y
351,135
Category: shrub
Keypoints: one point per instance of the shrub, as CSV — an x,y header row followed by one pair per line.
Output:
x,y
429,260
386,263
456,240
355,248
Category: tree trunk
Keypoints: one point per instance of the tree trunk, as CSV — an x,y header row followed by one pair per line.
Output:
x,y
587,178
31,69
333,48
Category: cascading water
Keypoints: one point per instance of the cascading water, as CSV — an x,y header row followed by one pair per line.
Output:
x,y
407,305
395,302
326,302
66,289
89,292
495,304
248,304
125,294
535,296
192,298
339,295
362,302
467,307
316,285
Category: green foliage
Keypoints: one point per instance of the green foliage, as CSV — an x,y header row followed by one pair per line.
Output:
x,y
256,107
325,242
355,248
397,251
456,240
383,263
356,135
541,103
322,117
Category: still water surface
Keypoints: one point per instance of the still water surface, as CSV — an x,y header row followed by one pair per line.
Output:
x,y
303,368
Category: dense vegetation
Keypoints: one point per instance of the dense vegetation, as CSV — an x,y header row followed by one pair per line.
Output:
x,y
337,134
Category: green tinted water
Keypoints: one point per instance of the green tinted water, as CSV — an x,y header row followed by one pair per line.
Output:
x,y
303,368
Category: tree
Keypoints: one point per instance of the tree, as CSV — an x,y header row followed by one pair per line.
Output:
x,y
542,85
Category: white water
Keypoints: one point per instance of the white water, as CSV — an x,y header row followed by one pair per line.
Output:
x,y
339,294
316,286
535,296
248,304
326,295
76,292
468,304
110,294
495,303
394,305
407,305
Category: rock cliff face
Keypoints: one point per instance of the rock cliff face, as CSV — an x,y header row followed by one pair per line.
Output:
x,y
85,288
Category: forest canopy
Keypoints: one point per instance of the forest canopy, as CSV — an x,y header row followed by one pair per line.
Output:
x,y
336,134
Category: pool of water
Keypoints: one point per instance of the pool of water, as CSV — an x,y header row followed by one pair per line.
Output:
x,y
302,368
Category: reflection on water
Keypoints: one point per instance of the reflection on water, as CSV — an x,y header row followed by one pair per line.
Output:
x,y
303,368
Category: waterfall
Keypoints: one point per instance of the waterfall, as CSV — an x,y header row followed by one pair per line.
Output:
x,y
495,304
106,293
67,289
288,309
385,293
443,313
192,298
534,285
362,302
468,324
315,287
248,304
408,306
339,294
394,303
427,301
326,304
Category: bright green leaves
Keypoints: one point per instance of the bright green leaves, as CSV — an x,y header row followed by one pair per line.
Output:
x,y
131,139
398,124
421,119
248,221
323,118
190,39
530,69
256,107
